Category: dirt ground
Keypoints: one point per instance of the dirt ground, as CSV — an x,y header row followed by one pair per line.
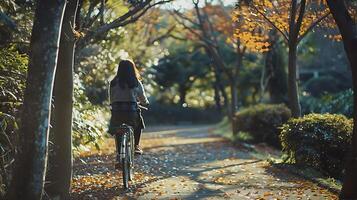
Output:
x,y
188,162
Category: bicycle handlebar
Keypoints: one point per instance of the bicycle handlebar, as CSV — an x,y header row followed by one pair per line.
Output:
x,y
143,107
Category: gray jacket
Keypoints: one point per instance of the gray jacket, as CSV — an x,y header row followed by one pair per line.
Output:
x,y
137,94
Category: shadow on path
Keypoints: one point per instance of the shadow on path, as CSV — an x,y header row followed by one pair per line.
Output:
x,y
186,163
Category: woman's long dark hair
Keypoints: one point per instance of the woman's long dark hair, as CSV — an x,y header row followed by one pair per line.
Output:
x,y
127,74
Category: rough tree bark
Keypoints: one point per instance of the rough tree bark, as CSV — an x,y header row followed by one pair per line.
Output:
x,y
293,94
60,160
30,167
294,30
348,30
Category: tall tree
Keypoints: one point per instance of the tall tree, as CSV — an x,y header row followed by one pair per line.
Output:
x,y
212,28
346,20
293,19
29,175
181,69
60,160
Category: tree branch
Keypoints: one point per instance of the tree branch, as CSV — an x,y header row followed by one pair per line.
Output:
x,y
161,37
177,37
129,17
176,12
313,25
269,21
203,38
87,20
300,18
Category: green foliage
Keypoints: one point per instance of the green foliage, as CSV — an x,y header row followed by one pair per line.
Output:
x,y
13,68
263,122
319,141
341,103
160,113
322,85
180,70
249,81
12,84
88,121
8,142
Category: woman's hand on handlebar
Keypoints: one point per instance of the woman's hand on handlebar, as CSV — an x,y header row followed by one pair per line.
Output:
x,y
144,107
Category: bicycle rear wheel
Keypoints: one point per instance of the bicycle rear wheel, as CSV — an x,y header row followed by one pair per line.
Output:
x,y
126,172
125,162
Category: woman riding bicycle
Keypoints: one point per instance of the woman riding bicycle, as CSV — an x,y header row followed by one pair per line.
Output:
x,y
126,90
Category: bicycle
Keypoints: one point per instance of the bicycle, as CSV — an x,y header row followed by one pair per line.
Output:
x,y
125,152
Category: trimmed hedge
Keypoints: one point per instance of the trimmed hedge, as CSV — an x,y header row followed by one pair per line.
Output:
x,y
262,122
319,141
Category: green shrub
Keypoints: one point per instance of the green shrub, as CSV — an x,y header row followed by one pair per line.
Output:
x,y
13,67
318,140
263,122
322,85
340,103
89,121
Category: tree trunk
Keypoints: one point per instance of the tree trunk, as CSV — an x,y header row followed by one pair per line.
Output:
x,y
347,27
218,74
183,92
223,92
60,173
234,94
350,180
220,66
234,104
217,97
294,103
29,174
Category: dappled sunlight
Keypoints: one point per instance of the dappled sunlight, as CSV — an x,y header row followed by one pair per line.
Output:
x,y
187,163
227,99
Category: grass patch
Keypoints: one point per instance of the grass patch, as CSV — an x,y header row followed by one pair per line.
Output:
x,y
224,129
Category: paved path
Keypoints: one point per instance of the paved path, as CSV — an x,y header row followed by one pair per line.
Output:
x,y
189,163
